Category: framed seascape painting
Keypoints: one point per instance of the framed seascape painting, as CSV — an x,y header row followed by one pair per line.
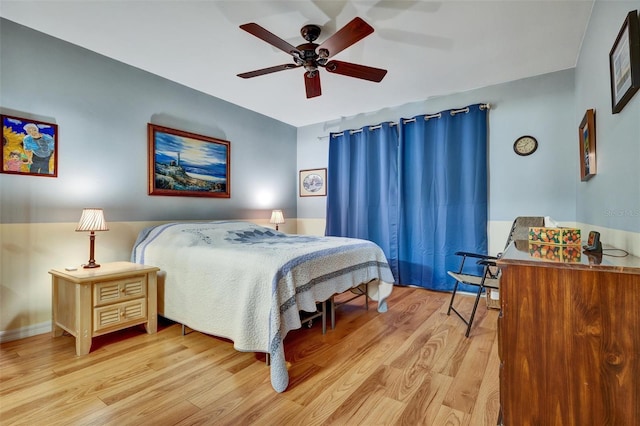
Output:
x,y
29,147
188,165
313,182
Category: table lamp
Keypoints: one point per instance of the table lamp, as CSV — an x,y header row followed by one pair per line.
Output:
x,y
277,217
92,220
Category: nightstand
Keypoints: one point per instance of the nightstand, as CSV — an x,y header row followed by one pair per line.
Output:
x,y
91,302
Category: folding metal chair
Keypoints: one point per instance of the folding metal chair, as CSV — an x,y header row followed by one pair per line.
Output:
x,y
490,276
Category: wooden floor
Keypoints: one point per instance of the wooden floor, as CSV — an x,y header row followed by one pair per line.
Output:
x,y
409,366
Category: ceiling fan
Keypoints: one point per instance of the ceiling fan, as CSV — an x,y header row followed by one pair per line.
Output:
x,y
313,56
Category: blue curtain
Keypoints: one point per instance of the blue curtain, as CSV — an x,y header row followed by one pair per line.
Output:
x,y
443,195
418,190
362,187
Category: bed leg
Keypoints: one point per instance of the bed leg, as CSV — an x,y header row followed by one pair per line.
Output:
x,y
333,313
366,295
324,317
267,359
183,330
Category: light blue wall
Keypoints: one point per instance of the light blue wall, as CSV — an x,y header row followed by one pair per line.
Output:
x,y
611,198
102,108
541,184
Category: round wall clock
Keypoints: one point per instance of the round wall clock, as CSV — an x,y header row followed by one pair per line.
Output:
x,y
525,145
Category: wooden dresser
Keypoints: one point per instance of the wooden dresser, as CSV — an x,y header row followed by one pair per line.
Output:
x,y
569,339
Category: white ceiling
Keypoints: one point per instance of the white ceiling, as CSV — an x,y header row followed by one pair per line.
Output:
x,y
430,48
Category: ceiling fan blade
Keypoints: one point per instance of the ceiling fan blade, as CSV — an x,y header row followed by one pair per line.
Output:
x,y
312,84
355,70
269,37
269,70
350,34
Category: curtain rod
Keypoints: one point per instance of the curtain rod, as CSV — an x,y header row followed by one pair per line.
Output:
x,y
409,120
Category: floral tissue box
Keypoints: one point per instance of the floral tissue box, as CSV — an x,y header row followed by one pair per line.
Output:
x,y
559,236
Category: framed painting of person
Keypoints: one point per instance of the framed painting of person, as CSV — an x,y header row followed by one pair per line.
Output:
x,y
29,147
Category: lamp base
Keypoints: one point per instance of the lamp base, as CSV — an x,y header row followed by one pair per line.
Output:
x,y
92,261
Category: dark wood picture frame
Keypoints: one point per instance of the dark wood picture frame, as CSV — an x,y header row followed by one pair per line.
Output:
x,y
624,63
587,141
187,164
313,182
29,147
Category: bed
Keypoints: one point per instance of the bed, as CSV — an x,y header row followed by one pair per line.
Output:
x,y
248,283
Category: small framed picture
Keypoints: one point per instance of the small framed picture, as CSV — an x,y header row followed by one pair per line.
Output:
x,y
313,182
587,137
624,63
188,165
29,147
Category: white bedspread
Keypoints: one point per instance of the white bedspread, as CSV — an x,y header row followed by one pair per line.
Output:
x,y
247,283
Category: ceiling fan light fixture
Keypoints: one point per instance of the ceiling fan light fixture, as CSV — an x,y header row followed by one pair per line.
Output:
x,y
311,66
311,56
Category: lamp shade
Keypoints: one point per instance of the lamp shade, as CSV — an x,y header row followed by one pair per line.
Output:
x,y
277,217
92,220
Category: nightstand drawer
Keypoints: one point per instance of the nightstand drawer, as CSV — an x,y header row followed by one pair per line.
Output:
x,y
119,314
119,290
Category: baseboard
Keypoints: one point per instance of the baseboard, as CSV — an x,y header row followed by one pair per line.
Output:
x,y
28,331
